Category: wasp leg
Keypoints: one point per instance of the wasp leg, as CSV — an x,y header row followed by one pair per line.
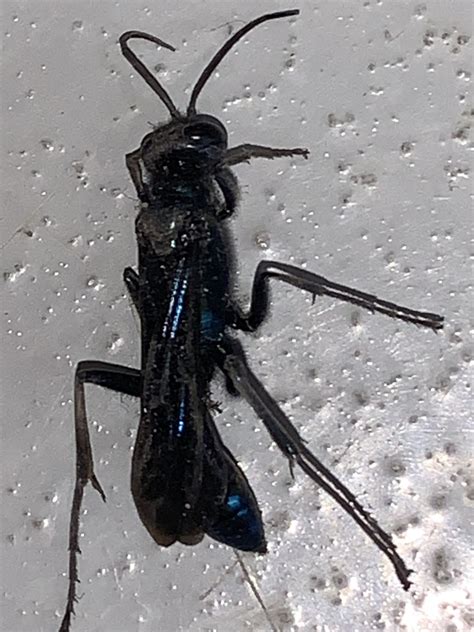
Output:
x,y
243,153
118,378
130,278
132,160
318,286
229,187
234,365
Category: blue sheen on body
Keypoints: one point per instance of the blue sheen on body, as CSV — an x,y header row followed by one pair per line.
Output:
x,y
212,326
247,532
182,416
175,310
235,504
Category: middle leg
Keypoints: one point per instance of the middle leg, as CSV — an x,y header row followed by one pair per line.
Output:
x,y
318,286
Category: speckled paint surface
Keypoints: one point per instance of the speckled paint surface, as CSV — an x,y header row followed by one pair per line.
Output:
x,y
380,92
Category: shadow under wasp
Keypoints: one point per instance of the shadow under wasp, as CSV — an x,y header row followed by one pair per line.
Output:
x,y
184,481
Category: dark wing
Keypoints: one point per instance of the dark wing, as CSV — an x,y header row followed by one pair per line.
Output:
x,y
167,465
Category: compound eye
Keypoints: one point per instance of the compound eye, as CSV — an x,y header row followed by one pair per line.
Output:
x,y
203,135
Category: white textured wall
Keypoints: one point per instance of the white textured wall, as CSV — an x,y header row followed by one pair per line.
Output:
x,y
379,92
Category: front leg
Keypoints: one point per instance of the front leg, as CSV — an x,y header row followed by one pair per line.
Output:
x,y
132,160
131,280
229,187
118,378
243,153
318,286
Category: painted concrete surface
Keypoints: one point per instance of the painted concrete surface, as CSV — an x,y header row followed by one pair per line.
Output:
x,y
380,94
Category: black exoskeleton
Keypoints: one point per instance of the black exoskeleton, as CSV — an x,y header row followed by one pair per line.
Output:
x,y
185,482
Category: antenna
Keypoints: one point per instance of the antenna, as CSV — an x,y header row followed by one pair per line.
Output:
x,y
222,52
142,70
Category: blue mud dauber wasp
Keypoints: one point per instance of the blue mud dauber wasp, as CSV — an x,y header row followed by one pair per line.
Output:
x,y
184,481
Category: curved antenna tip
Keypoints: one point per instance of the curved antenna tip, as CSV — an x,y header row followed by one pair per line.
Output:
x,y
143,71
222,52
123,39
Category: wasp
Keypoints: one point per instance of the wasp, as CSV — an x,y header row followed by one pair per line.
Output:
x,y
185,482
